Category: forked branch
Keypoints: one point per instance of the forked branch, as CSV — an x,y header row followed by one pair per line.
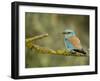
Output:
x,y
44,50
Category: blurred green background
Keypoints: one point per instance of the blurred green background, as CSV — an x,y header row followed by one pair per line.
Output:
x,y
54,25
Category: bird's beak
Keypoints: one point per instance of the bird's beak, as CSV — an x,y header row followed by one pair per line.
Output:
x,y
63,33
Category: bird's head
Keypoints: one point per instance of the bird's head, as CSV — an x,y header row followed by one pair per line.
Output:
x,y
69,33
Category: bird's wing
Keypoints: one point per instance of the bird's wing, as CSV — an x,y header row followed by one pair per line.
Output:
x,y
75,41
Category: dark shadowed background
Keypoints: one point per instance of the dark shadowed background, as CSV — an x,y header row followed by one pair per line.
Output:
x,y
54,25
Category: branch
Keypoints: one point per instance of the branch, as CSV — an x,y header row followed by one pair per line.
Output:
x,y
36,38
45,50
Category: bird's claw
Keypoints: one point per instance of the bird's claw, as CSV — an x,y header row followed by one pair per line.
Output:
x,y
73,52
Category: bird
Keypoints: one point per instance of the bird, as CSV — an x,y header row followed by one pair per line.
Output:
x,y
72,42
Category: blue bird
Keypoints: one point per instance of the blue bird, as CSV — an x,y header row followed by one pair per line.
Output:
x,y
72,42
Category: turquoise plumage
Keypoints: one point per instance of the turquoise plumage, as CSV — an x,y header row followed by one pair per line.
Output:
x,y
68,44
72,42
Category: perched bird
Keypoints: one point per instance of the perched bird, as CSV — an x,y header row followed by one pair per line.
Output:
x,y
72,42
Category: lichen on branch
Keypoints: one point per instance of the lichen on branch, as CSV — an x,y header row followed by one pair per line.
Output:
x,y
45,50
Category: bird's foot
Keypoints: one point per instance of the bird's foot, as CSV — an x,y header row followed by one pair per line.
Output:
x,y
73,52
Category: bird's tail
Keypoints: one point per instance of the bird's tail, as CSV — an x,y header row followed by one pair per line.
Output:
x,y
80,51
